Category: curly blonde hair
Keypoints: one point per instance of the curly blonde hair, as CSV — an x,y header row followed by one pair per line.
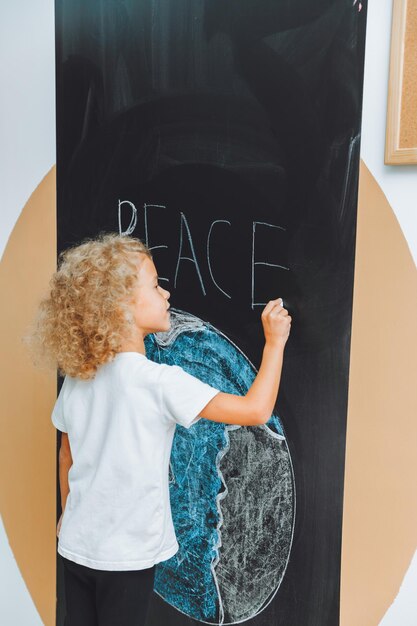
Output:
x,y
86,316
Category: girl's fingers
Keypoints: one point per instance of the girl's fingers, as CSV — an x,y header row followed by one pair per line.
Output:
x,y
277,304
274,308
271,304
279,309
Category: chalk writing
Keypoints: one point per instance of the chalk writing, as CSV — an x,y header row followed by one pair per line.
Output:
x,y
133,219
187,258
193,255
208,254
253,303
145,215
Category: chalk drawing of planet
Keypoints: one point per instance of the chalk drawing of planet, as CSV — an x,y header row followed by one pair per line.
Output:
x,y
231,488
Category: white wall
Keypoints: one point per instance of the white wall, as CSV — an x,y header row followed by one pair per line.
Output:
x,y
27,104
27,152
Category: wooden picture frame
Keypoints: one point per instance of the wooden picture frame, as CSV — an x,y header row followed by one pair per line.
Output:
x,y
401,133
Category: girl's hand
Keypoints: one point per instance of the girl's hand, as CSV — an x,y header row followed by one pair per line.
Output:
x,y
255,408
276,323
58,528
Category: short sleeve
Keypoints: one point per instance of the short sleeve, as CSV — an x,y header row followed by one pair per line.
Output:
x,y
58,410
183,395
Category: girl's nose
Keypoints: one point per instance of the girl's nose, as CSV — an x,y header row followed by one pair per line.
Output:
x,y
167,294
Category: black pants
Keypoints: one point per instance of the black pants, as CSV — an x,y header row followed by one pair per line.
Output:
x,y
106,598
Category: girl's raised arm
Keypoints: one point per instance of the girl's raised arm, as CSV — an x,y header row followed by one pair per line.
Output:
x,y
256,406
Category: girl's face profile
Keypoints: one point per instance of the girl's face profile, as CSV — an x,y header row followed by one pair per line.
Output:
x,y
150,306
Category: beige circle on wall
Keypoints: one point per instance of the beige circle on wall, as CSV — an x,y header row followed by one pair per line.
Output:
x,y
380,503
27,436
380,510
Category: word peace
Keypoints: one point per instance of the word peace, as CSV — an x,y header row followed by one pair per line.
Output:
x,y
185,237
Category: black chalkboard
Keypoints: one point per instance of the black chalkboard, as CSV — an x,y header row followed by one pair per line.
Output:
x,y
226,135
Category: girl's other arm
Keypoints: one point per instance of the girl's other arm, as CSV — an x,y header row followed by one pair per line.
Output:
x,y
256,406
65,462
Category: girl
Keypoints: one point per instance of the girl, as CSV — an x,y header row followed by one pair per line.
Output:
x,y
117,412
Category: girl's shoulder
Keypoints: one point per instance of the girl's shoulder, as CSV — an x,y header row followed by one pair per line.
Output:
x,y
133,369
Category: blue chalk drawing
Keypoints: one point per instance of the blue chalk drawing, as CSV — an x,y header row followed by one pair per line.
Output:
x,y
230,564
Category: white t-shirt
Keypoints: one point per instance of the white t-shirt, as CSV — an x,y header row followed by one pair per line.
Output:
x,y
120,427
